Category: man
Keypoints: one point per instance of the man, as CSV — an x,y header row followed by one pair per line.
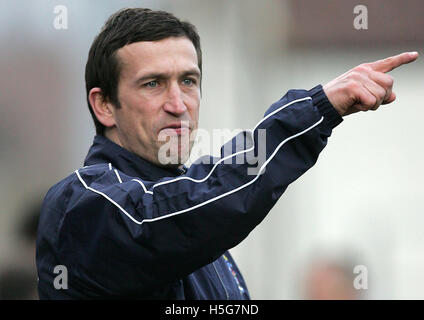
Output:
x,y
331,278
131,223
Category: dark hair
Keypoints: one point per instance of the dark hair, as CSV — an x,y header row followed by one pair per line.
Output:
x,y
125,27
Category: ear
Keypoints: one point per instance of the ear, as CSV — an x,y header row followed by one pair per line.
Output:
x,y
101,108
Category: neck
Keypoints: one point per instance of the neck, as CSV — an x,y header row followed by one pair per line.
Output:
x,y
112,135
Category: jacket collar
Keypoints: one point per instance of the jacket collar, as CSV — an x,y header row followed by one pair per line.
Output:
x,y
104,150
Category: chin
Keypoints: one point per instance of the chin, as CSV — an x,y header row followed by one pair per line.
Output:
x,y
173,153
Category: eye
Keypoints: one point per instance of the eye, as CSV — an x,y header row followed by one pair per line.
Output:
x,y
188,82
151,84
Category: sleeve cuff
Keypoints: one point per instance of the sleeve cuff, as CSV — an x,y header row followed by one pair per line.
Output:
x,y
320,100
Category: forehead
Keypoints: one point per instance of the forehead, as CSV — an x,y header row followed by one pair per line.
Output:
x,y
166,56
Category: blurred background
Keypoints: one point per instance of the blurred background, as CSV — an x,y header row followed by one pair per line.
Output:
x,y
360,205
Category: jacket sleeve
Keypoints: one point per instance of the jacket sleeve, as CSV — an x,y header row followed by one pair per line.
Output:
x,y
127,235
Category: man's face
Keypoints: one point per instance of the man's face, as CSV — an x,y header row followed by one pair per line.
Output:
x,y
159,93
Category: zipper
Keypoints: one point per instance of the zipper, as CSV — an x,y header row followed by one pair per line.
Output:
x,y
222,283
234,277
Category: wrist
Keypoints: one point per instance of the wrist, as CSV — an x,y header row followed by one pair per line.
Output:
x,y
325,107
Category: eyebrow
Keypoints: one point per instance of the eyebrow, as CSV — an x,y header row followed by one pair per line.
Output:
x,y
159,75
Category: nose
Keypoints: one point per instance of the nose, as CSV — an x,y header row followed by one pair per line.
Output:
x,y
174,103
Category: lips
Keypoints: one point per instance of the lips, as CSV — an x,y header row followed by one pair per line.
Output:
x,y
177,127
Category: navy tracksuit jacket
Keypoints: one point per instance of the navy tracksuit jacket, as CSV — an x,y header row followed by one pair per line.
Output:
x,y
125,228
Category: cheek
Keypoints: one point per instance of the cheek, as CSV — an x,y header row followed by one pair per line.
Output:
x,y
126,119
130,125
135,115
193,104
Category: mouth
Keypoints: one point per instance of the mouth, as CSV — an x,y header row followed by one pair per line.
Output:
x,y
176,127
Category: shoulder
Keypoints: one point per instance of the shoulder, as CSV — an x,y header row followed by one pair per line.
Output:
x,y
59,195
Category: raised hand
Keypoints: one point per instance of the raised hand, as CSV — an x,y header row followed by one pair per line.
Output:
x,y
366,86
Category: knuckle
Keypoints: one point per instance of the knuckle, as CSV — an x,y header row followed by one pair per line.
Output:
x,y
352,89
371,101
355,74
362,68
353,85
376,106
382,93
390,60
390,80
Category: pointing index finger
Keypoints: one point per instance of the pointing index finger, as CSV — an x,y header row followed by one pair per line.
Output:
x,y
390,63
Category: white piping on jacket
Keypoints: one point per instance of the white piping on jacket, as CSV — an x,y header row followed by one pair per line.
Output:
x,y
234,154
108,198
117,174
142,185
207,201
